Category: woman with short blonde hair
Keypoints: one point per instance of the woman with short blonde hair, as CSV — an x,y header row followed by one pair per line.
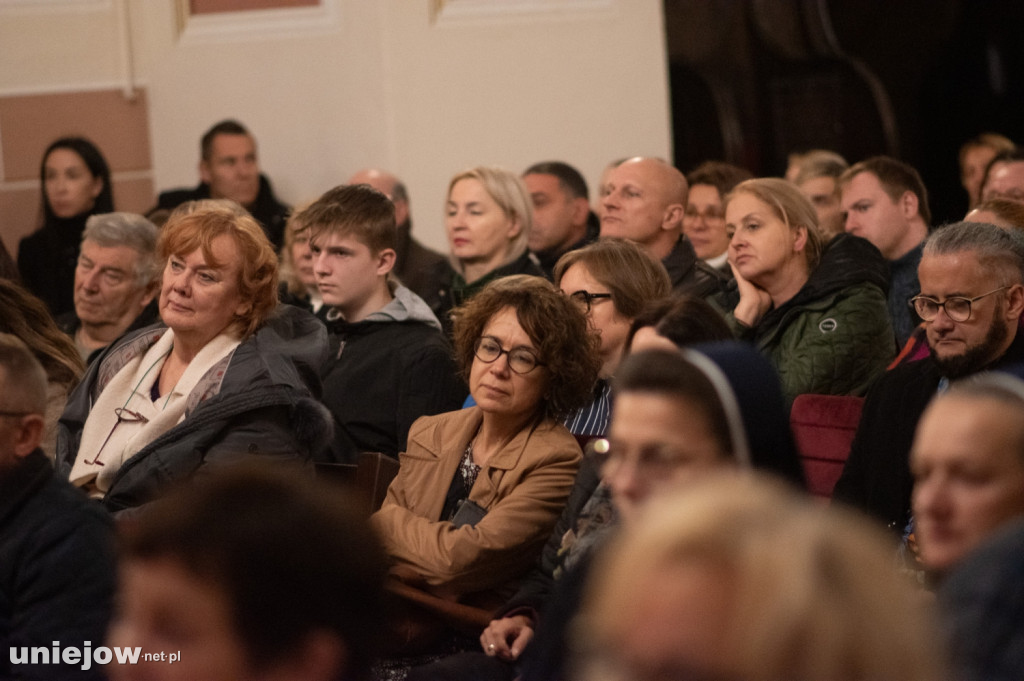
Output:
x,y
818,312
740,578
488,216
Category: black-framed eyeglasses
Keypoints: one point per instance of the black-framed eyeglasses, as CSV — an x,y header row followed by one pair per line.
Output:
x,y
585,299
957,308
520,360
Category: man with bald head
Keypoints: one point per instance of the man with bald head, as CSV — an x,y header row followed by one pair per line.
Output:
x,y
643,199
419,268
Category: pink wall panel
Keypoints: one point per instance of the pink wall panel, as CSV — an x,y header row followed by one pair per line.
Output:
x,y
214,6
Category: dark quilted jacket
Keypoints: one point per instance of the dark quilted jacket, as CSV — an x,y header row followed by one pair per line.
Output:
x,y
834,336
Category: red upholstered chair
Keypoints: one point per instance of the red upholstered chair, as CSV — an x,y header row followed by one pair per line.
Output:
x,y
824,426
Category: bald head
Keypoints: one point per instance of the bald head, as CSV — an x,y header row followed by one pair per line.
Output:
x,y
644,200
386,184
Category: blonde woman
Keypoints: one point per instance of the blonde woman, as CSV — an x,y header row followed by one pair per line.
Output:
x,y
818,313
739,578
488,217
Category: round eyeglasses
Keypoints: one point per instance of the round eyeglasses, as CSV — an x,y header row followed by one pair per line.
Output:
x,y
520,360
957,308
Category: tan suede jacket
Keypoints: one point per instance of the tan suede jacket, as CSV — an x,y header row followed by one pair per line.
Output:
x,y
523,487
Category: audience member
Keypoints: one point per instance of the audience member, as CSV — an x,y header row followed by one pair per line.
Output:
x,y
974,157
57,565
1004,177
298,280
116,281
1004,213
818,314
887,204
644,200
818,179
253,573
488,218
674,323
796,161
982,602
227,378
562,220
610,281
971,301
967,461
675,418
704,218
480,489
739,579
390,363
25,317
230,169
75,183
420,269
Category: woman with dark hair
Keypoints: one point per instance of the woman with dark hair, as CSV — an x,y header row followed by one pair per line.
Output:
x,y
230,375
25,316
479,489
675,323
75,182
677,417
704,219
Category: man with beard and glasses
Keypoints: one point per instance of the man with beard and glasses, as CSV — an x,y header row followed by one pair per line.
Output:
x,y
971,302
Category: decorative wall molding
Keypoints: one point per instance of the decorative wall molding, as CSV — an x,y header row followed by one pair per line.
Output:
x,y
457,12
324,18
54,6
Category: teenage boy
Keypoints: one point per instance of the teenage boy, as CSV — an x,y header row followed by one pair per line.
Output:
x,y
390,362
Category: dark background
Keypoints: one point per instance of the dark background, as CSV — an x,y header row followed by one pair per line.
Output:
x,y
753,80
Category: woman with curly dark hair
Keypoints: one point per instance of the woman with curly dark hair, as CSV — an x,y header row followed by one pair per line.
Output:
x,y
479,490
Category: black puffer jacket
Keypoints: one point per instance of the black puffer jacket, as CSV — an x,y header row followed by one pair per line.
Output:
x,y
265,403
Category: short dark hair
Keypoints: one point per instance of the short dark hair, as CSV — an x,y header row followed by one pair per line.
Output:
x,y
722,176
569,179
356,210
896,178
94,161
557,328
291,556
228,126
683,319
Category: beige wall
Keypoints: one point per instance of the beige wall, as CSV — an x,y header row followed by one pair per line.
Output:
x,y
421,88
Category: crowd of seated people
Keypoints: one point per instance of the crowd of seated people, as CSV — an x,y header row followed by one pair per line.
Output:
x,y
622,457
